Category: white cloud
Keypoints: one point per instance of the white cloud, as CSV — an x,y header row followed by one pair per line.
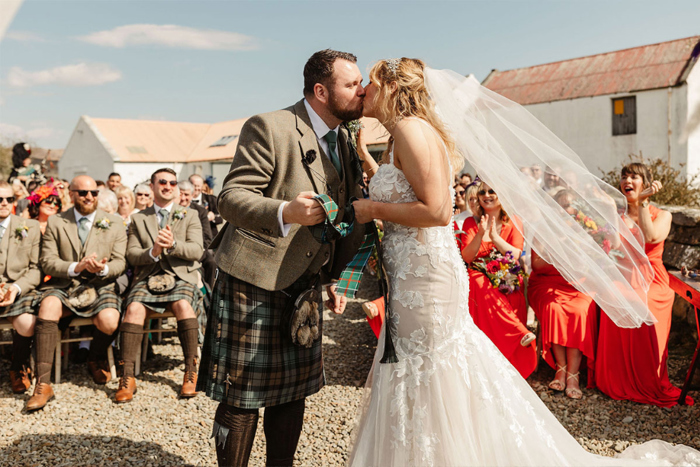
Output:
x,y
171,35
80,74
24,36
11,132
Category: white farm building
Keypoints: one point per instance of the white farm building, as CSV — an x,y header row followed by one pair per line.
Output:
x,y
611,105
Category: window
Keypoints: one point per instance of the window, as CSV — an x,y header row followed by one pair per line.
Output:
x,y
223,141
624,119
137,149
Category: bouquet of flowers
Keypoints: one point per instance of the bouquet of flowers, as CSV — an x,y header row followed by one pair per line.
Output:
x,y
599,229
503,271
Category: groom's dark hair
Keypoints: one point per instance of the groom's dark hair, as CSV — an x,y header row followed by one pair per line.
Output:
x,y
319,68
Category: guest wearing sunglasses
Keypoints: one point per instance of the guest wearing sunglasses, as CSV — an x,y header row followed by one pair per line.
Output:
x,y
501,316
19,275
44,202
82,249
143,197
165,244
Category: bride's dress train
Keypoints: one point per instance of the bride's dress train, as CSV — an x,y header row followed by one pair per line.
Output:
x,y
453,399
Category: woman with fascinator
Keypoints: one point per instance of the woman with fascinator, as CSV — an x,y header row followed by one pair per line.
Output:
x,y
452,398
44,202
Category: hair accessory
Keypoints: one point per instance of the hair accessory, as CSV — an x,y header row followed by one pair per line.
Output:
x,y
476,180
41,193
393,64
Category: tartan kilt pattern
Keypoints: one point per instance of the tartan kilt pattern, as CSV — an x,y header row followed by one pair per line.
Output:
x,y
157,302
23,304
246,361
107,297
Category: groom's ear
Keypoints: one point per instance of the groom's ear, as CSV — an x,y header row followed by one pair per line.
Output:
x,y
321,93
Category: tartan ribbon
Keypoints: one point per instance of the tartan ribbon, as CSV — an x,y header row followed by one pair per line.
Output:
x,y
350,277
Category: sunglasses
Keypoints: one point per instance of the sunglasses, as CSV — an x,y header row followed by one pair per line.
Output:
x,y
483,192
84,193
52,202
460,193
9,199
143,194
164,182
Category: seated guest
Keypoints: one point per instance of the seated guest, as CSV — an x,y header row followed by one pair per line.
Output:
x,y
567,317
207,259
126,201
631,364
19,275
462,211
114,181
143,197
206,200
84,246
501,316
552,182
44,202
107,201
165,244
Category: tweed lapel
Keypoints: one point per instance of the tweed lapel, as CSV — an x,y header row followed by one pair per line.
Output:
x,y
308,142
5,243
94,235
177,225
70,227
151,220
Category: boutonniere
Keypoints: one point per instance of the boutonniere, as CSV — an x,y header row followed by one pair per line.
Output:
x,y
103,224
309,157
21,232
179,214
354,126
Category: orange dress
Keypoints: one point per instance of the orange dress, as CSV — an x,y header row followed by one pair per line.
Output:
x,y
631,364
567,316
501,317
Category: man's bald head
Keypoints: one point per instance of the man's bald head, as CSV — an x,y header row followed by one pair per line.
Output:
x,y
83,193
83,182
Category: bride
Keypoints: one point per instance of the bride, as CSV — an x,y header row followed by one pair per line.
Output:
x,y
453,399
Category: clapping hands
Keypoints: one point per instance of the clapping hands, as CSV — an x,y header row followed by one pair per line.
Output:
x,y
8,294
91,264
164,241
487,223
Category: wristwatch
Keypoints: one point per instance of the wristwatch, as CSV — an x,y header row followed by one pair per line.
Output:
x,y
645,203
169,250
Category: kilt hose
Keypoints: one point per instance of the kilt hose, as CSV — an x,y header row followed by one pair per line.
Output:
x,y
107,297
157,302
246,360
23,304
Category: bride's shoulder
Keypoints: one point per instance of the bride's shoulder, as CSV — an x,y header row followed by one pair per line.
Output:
x,y
414,133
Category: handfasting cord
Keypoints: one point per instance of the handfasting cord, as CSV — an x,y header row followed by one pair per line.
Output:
x,y
350,277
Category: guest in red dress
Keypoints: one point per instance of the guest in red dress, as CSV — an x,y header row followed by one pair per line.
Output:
x,y
567,317
631,364
500,316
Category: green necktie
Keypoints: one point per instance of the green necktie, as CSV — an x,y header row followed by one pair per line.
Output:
x,y
163,217
332,138
83,231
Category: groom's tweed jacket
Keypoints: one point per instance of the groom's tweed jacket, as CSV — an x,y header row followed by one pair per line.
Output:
x,y
267,169
246,361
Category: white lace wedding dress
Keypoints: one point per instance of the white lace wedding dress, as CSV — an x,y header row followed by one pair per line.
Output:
x,y
453,399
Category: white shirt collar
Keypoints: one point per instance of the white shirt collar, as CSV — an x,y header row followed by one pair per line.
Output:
x,y
319,126
91,216
6,222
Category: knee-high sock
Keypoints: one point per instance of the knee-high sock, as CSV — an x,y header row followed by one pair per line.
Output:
x,y
21,350
187,330
99,345
131,338
45,336
282,426
242,424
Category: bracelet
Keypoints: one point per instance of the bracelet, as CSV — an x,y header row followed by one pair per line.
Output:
x,y
371,170
644,203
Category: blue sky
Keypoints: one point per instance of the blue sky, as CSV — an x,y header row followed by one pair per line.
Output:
x,y
222,60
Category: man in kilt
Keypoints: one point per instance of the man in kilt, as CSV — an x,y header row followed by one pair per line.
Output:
x,y
268,254
165,244
19,275
82,248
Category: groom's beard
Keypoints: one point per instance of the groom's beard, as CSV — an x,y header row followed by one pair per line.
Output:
x,y
341,113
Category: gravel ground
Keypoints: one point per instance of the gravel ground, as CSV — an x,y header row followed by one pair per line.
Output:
x,y
84,427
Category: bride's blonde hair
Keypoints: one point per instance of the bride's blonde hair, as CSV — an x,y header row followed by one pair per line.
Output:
x,y
410,99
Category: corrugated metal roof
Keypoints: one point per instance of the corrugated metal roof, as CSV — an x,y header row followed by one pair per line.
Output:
x,y
160,141
636,69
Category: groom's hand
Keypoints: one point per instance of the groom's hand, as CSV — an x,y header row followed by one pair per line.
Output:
x,y
303,210
336,302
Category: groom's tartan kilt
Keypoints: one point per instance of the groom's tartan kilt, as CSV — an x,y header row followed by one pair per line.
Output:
x,y
246,361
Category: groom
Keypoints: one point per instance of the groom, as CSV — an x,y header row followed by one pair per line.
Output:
x,y
268,254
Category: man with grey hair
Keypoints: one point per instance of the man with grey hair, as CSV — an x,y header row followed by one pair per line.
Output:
x,y
209,202
207,259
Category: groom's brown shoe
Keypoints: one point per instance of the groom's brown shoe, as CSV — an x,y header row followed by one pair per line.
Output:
x,y
43,393
21,380
189,384
126,390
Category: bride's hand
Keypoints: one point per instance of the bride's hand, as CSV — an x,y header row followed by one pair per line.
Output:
x,y
363,210
361,143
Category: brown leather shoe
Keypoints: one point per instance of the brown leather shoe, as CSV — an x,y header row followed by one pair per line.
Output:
x,y
189,384
21,380
42,395
100,372
126,390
